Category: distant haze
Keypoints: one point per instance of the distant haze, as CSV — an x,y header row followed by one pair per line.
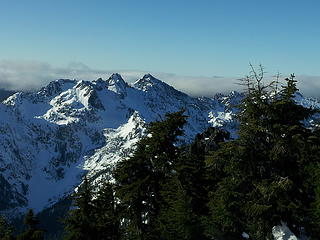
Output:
x,y
28,75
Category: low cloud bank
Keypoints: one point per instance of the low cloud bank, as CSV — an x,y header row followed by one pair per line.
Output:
x,y
27,75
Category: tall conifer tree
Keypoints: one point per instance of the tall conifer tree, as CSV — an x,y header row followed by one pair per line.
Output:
x,y
80,223
33,232
141,177
6,231
264,173
106,213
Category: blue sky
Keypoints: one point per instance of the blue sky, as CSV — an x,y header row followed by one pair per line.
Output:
x,y
191,38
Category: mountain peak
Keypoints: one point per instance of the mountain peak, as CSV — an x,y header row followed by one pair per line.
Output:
x,y
147,81
57,86
116,77
148,76
117,84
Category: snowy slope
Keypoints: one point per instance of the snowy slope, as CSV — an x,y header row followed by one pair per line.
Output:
x,y
50,138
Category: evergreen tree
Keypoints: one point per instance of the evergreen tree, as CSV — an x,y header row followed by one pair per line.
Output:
x,y
191,174
263,175
177,219
225,196
132,176
80,224
106,213
186,194
314,186
33,232
141,177
6,231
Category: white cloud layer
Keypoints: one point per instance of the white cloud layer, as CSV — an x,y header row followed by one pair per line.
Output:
x,y
26,75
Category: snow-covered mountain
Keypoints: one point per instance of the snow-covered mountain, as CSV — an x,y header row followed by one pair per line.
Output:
x,y
50,138
5,94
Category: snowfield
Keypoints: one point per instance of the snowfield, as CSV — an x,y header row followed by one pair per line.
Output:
x,y
50,138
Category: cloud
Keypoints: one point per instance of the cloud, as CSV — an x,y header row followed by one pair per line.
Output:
x,y
27,75
309,85
200,85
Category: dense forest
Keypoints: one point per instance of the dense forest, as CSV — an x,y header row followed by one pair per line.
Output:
x,y
214,188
